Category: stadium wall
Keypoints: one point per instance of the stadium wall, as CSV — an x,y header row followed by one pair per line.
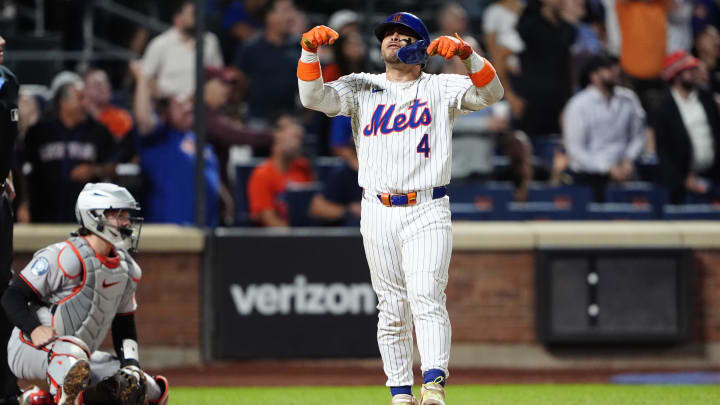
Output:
x,y
491,293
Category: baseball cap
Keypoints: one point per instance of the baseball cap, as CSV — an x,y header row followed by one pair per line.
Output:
x,y
676,62
341,18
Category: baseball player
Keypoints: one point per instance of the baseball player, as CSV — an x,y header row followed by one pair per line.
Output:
x,y
69,296
402,122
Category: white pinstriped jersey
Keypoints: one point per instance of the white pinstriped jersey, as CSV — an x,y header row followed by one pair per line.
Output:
x,y
402,131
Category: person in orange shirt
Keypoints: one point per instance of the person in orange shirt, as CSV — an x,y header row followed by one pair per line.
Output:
x,y
98,97
643,27
269,180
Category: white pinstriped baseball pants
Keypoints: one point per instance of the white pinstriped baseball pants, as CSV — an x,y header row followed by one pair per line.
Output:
x,y
408,250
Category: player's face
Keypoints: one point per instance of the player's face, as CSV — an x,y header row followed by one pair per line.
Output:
x,y
2,49
118,218
395,38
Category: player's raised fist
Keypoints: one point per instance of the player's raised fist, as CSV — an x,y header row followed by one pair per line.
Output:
x,y
318,35
447,46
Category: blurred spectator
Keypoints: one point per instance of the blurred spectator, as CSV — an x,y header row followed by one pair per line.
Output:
x,y
170,57
612,28
452,18
687,130
223,131
269,63
603,129
643,27
504,44
167,156
707,49
478,135
680,34
345,22
349,55
118,121
241,22
268,182
29,110
705,13
339,202
65,150
545,83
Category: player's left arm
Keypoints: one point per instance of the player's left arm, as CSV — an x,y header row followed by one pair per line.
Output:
x,y
123,330
486,89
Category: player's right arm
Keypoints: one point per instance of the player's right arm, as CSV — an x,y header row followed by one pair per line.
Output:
x,y
313,93
35,281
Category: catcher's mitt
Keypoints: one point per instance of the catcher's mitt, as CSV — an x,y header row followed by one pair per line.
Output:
x,y
125,387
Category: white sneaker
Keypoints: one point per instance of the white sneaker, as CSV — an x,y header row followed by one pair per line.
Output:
x,y
433,393
403,399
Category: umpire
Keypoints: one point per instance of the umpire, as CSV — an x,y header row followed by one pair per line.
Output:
x,y
8,133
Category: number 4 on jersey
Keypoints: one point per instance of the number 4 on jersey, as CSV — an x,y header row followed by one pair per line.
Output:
x,y
424,146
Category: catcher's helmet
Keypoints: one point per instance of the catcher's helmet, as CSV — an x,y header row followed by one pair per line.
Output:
x,y
95,199
414,54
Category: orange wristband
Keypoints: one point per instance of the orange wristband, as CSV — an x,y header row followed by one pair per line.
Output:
x,y
308,71
483,76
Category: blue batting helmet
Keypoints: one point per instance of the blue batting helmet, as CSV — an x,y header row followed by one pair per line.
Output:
x,y
414,54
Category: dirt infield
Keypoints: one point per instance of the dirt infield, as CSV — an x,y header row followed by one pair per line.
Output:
x,y
280,373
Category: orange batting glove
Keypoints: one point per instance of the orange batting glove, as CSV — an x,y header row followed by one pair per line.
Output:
x,y
447,46
319,35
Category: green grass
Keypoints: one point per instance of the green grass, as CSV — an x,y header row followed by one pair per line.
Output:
x,y
458,395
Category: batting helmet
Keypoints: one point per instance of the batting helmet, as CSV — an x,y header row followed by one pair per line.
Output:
x,y
414,54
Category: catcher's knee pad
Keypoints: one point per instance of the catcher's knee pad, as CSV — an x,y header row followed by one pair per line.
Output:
x,y
65,352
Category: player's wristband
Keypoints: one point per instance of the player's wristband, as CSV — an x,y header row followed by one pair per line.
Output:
x,y
308,66
480,70
130,355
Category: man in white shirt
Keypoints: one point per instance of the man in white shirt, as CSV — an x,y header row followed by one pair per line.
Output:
x,y
686,125
603,129
170,57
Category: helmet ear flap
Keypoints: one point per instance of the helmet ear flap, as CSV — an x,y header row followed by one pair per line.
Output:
x,y
414,54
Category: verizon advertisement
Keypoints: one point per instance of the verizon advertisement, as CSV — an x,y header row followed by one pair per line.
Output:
x,y
300,293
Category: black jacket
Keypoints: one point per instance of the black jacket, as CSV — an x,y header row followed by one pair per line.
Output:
x,y
674,147
8,119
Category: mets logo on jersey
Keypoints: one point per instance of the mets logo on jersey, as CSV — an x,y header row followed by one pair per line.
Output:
x,y
382,119
40,266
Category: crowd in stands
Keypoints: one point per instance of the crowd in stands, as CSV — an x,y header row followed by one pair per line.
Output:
x,y
597,93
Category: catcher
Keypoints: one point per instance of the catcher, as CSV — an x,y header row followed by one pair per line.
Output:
x,y
69,296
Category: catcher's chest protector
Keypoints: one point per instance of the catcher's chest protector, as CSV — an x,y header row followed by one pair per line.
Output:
x,y
89,311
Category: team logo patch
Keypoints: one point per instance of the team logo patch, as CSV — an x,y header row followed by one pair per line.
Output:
x,y
397,18
40,266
